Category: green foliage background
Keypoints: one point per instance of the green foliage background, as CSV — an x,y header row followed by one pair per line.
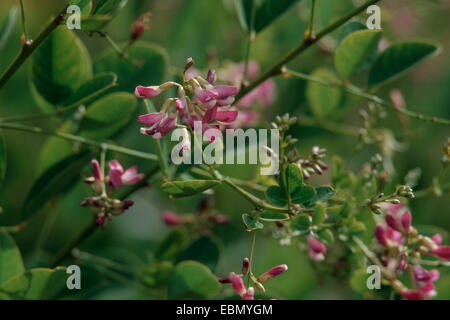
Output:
x,y
192,28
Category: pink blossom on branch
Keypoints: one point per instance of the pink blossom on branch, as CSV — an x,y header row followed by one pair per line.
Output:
x,y
118,176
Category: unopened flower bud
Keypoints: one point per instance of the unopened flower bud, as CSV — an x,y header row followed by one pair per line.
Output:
x,y
245,266
249,294
238,285
275,271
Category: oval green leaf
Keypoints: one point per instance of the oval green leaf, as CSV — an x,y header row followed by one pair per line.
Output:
x,y
301,222
397,59
11,263
205,250
108,115
276,196
146,64
250,223
60,65
192,280
323,100
356,51
273,216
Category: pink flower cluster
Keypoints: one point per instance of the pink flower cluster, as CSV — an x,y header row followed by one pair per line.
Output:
x,y
392,237
198,99
104,188
238,283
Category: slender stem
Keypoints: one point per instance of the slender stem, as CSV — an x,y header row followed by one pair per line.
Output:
x,y
162,158
28,50
71,137
250,39
113,44
277,68
250,259
309,32
92,226
24,23
356,91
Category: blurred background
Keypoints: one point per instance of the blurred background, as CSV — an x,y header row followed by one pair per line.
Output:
x,y
209,32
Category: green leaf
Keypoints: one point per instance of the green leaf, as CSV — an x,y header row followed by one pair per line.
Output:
x,y
358,281
93,89
7,27
192,280
205,250
266,11
397,59
319,215
94,23
85,5
303,194
109,7
326,235
323,100
356,51
60,65
3,159
11,263
108,115
301,222
146,64
52,182
273,216
180,189
171,244
324,193
350,27
276,196
250,223
294,178
36,284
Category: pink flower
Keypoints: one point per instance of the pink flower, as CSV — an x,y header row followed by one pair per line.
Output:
x,y
442,252
172,219
118,176
402,262
316,249
399,223
423,280
238,285
275,271
147,92
161,124
437,238
388,236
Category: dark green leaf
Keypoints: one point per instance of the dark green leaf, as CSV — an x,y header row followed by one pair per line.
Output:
x,y
108,115
323,194
397,59
273,216
205,250
192,280
356,51
171,245
294,178
276,196
94,23
7,27
322,99
60,65
109,7
11,263
250,223
155,273
92,89
3,159
146,64
52,182
180,189
36,284
303,194
301,222
266,12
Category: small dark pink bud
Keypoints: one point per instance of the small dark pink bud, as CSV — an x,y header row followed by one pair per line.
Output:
x,y
238,285
225,280
412,295
245,266
172,219
406,221
442,252
96,169
391,221
380,234
211,78
275,271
